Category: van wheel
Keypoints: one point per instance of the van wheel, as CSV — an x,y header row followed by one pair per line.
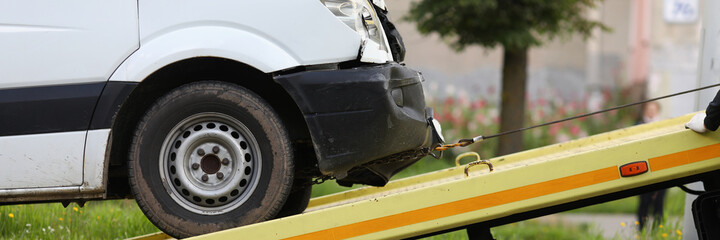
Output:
x,y
209,156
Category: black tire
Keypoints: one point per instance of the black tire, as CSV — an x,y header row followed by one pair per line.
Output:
x,y
186,137
298,199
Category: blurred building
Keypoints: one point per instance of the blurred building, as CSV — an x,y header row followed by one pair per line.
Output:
x,y
653,46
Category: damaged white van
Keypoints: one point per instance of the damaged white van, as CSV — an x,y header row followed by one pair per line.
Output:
x,y
211,114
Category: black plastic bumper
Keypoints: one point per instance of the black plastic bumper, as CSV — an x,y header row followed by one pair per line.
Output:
x,y
359,115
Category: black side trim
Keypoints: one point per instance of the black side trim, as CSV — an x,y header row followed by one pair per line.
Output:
x,y
48,108
61,108
112,98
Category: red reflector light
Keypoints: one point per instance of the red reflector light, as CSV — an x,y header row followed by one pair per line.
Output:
x,y
633,168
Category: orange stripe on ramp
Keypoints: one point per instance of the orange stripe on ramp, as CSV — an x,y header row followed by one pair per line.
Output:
x,y
684,157
465,205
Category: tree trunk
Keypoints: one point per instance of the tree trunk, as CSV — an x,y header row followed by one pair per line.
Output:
x,y
512,110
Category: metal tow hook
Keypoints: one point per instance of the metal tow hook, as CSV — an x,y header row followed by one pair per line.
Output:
x,y
478,161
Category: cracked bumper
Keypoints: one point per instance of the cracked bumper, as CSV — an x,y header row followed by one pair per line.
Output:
x,y
362,114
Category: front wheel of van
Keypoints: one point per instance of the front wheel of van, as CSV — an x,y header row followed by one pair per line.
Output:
x,y
210,156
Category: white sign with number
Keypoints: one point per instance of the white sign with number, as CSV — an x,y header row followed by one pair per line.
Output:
x,y
680,11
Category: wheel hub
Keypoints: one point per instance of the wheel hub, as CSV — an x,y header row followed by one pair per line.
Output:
x,y
211,163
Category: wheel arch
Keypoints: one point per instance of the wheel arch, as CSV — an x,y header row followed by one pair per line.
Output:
x,y
192,70
164,49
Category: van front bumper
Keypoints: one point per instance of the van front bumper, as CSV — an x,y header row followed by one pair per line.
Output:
x,y
366,123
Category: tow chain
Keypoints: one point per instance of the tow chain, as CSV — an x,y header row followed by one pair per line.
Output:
x,y
321,179
461,143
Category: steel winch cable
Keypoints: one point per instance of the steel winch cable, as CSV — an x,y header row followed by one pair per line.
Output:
x,y
468,141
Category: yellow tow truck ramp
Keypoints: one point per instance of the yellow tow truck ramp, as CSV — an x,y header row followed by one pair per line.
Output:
x,y
524,185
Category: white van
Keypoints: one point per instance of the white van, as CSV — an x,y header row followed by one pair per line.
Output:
x,y
211,114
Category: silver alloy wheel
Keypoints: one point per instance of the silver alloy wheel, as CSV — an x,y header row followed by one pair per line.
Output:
x,y
211,163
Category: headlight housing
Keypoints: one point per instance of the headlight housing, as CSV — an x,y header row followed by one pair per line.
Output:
x,y
360,16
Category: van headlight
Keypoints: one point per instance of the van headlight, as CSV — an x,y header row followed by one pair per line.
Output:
x,y
360,16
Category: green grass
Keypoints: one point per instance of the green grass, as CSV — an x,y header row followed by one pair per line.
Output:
x,y
668,229
116,219
539,231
